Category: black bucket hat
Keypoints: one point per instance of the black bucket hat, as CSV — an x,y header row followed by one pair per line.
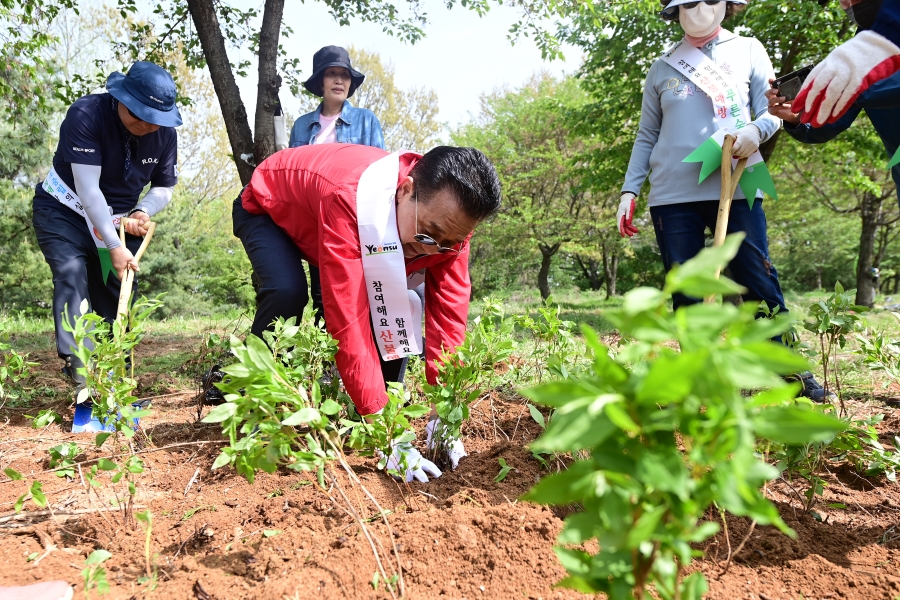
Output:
x,y
148,91
331,56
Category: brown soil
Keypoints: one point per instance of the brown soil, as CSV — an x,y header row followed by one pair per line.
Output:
x,y
461,536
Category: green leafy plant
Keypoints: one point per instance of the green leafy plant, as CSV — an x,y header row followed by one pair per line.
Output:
x,y
858,444
44,418
14,367
664,436
193,511
146,517
554,350
94,574
105,350
305,350
62,458
471,370
269,419
538,418
35,494
504,470
833,319
880,352
377,434
278,414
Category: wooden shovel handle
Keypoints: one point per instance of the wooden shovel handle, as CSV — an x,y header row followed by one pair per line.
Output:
x,y
729,186
727,192
125,293
128,276
151,227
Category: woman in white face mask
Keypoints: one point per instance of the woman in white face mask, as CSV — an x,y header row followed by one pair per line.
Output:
x,y
713,80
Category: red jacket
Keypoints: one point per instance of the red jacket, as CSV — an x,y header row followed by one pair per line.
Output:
x,y
310,192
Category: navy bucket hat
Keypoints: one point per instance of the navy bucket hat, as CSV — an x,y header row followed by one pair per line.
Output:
x,y
331,56
148,91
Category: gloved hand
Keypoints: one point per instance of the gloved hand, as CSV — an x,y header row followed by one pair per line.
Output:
x,y
846,73
747,141
625,214
455,448
417,466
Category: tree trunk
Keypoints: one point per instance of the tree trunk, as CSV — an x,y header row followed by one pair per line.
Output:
x,y
590,268
269,81
865,284
819,277
203,13
547,253
611,269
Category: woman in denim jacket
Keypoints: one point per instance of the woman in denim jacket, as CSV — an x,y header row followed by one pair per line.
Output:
x,y
336,120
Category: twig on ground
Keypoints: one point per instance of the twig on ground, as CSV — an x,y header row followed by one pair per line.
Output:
x,y
49,546
191,482
54,513
725,531
740,547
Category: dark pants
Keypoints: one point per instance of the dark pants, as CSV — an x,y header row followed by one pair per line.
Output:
x,y
680,235
69,249
278,265
315,292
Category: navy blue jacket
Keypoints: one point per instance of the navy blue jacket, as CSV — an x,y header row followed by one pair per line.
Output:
x,y
888,22
881,103
354,126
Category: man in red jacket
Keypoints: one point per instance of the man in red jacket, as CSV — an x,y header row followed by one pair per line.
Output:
x,y
377,225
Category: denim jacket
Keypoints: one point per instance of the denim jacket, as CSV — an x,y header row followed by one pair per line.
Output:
x,y
353,126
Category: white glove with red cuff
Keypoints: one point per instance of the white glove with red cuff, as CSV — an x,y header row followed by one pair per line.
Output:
x,y
747,142
846,73
455,448
625,214
416,466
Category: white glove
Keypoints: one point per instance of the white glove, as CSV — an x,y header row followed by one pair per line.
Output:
x,y
455,448
625,214
417,466
845,74
747,141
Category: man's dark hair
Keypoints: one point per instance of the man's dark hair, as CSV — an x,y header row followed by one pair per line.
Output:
x,y
466,172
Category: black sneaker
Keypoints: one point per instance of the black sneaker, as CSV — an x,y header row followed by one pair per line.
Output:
x,y
210,395
812,389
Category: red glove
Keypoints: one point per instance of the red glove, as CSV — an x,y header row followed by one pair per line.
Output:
x,y
625,214
847,72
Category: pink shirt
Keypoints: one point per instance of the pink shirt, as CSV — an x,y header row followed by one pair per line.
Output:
x,y
328,128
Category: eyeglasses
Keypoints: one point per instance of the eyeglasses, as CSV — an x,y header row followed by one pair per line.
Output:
x,y
671,13
427,239
134,116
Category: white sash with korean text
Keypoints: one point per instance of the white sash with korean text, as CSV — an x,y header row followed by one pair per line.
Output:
x,y
730,109
395,309
56,187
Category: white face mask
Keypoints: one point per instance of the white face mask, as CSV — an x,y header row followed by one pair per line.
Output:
x,y
701,20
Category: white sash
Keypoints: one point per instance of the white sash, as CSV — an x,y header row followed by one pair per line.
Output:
x,y
56,187
730,109
395,309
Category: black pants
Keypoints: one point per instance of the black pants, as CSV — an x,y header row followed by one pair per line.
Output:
x,y
70,251
278,265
